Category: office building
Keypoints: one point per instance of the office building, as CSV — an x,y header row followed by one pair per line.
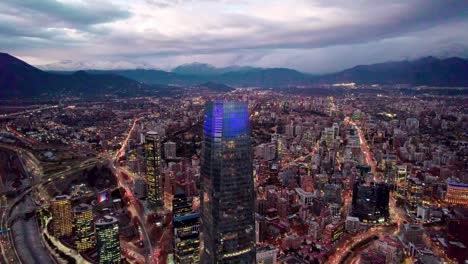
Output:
x,y
314,230
186,230
154,178
108,242
401,180
83,227
305,198
61,216
423,213
333,232
412,233
457,193
139,189
332,193
227,195
335,210
170,150
414,194
370,202
266,255
352,224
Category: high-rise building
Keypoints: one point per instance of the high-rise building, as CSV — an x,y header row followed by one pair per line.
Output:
x,y
414,194
370,202
154,176
412,233
170,150
227,195
83,227
186,230
401,180
61,215
457,193
108,242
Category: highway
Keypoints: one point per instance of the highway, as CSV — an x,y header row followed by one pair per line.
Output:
x,y
133,208
364,146
26,234
35,110
23,242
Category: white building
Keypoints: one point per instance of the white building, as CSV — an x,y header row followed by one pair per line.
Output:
x,y
335,210
305,198
352,224
423,212
266,255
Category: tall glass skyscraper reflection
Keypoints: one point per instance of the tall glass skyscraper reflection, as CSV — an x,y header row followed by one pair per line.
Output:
x,y
227,193
153,173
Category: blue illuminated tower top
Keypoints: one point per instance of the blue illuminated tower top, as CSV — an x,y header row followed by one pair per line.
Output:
x,y
234,114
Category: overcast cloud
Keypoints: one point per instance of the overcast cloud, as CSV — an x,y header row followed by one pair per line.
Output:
x,y
312,36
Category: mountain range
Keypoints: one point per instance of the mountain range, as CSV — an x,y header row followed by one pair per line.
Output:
x,y
429,71
19,79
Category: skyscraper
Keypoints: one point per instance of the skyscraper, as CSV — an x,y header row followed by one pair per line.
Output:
x,y
153,172
83,227
186,230
370,202
170,150
108,243
61,215
227,195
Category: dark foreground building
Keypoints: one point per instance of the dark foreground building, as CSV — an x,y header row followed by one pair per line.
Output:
x,y
186,230
370,202
227,195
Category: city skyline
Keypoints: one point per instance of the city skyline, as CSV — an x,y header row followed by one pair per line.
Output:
x,y
233,132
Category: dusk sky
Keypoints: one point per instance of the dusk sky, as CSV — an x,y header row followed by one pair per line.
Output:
x,y
312,36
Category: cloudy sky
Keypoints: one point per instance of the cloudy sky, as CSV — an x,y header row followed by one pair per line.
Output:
x,y
309,35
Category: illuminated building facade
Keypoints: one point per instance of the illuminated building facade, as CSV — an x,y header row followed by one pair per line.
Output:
x,y
370,202
227,195
457,193
61,215
154,178
83,227
414,192
401,180
186,230
108,243
333,232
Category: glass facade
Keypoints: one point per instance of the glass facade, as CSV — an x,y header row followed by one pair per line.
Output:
x,y
370,202
108,243
153,172
83,227
186,230
227,195
61,216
